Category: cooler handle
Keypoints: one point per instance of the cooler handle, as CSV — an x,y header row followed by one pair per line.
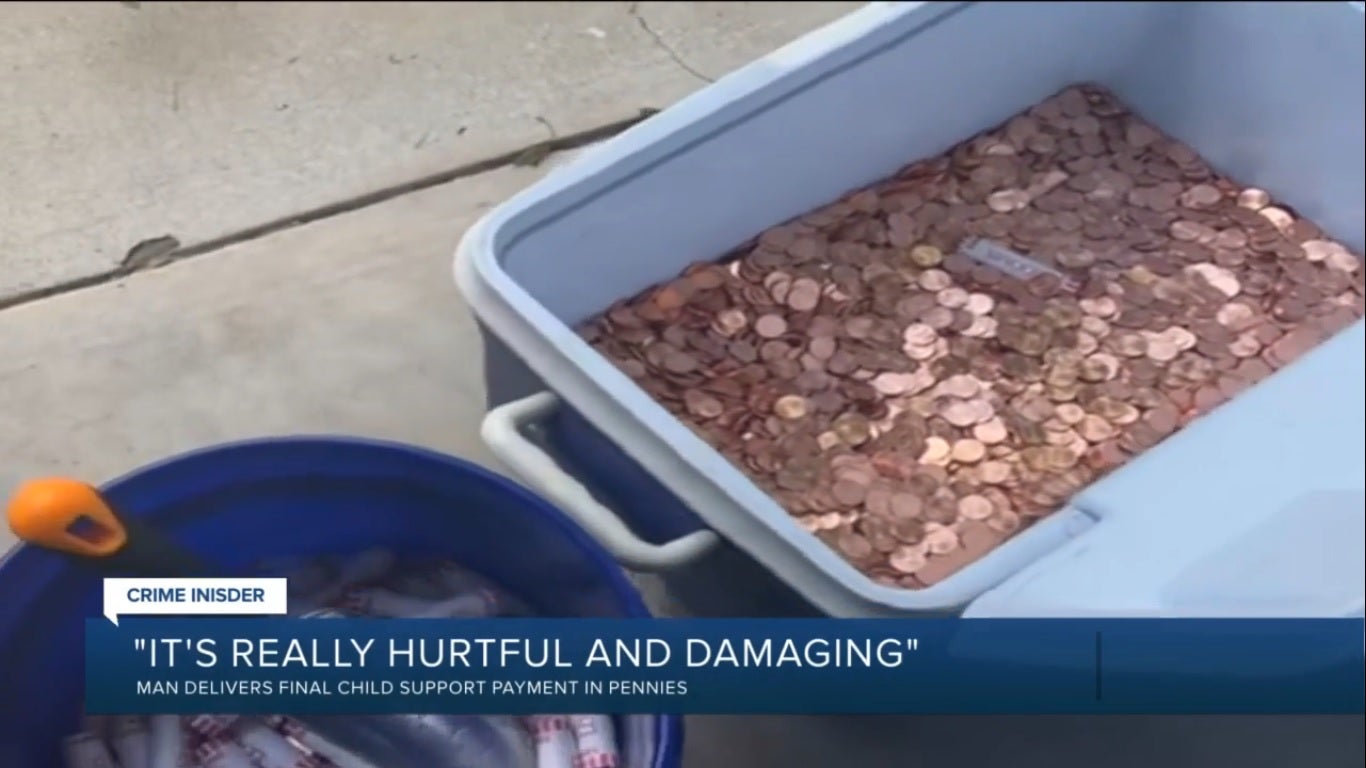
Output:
x,y
502,433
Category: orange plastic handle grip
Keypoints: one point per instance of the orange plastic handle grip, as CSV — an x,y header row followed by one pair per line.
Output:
x,y
66,515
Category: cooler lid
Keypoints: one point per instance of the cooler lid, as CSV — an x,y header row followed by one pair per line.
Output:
x,y
1256,510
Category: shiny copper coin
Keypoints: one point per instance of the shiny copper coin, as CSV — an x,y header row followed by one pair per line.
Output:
x,y
1004,521
937,451
908,559
975,507
968,451
1162,350
935,280
991,431
926,256
920,335
702,405
1279,217
1095,429
1319,250
730,322
1254,199
853,429
1201,196
790,407
980,303
770,326
961,386
854,546
994,472
961,413
804,295
941,541
906,505
848,493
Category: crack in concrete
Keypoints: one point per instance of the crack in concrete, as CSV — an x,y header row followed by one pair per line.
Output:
x,y
158,252
634,11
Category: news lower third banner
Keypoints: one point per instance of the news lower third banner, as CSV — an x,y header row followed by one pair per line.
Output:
x,y
520,666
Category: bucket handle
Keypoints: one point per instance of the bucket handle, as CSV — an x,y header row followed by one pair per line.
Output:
x,y
502,433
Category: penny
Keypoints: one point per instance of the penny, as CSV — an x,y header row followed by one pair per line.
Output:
x,y
676,361
920,335
1254,199
1102,367
1238,317
1342,260
981,328
730,322
702,405
823,347
790,407
1219,278
961,386
906,505
1095,429
853,429
854,546
1182,338
1201,196
1279,217
1319,250
908,559
953,298
940,318
1185,231
1008,200
961,413
1130,345
1162,350
994,472
1004,521
848,493
915,402
894,383
1246,345
921,352
941,541
1163,419
975,507
990,432
926,256
1231,240
980,304
935,280
770,326
803,295
1069,414
937,451
1101,306
968,451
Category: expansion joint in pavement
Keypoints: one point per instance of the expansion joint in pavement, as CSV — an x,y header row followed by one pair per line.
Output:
x,y
634,11
159,251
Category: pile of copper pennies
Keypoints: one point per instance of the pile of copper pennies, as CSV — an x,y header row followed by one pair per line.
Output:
x,y
923,368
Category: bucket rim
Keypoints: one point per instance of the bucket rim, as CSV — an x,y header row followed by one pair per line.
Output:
x,y
151,472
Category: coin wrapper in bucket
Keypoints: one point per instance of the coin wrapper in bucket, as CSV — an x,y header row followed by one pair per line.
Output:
x,y
923,368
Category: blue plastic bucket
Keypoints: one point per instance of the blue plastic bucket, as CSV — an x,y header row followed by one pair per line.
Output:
x,y
239,503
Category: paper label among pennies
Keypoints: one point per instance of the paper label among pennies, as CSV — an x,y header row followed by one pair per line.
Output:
x,y
1013,264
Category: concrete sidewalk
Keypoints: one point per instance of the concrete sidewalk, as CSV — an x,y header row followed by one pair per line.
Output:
x,y
201,121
